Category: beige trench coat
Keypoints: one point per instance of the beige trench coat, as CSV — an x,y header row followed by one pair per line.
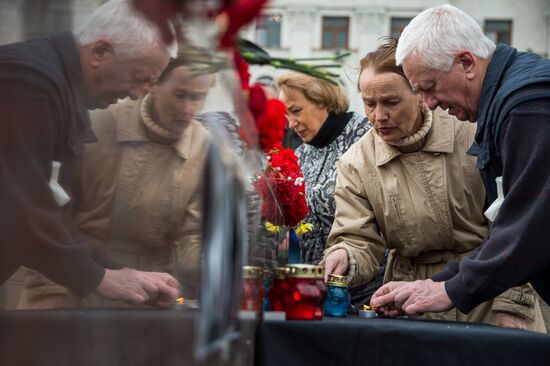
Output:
x,y
141,200
426,207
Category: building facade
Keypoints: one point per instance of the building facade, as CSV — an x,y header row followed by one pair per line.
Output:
x,y
314,28
318,28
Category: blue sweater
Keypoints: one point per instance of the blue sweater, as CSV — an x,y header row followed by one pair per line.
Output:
x,y
513,142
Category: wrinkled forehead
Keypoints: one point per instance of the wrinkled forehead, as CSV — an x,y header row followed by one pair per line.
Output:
x,y
420,77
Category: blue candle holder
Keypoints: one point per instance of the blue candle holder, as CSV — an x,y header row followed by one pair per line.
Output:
x,y
337,301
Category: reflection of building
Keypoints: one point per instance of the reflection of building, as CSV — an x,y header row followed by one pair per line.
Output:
x,y
312,28
20,19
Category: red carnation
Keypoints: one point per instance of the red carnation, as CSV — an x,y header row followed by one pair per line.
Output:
x,y
257,102
242,69
283,196
271,125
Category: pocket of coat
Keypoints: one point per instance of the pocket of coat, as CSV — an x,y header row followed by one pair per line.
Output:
x,y
405,238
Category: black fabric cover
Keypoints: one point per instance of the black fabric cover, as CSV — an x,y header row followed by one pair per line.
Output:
x,y
358,341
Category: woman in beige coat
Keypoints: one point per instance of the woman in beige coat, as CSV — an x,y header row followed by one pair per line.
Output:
x,y
409,186
141,185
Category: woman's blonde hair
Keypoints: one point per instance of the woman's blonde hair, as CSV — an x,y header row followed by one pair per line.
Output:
x,y
317,91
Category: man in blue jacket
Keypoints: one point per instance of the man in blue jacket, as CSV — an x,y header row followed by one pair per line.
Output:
x,y
47,86
446,57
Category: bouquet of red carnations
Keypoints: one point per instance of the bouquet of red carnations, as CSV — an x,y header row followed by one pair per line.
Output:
x,y
282,189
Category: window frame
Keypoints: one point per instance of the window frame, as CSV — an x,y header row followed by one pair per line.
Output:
x,y
335,30
398,18
269,30
498,33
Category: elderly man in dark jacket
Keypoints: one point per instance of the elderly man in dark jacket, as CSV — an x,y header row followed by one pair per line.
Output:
x,y
47,87
508,93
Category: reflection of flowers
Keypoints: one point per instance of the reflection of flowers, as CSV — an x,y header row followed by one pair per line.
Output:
x,y
242,70
269,114
281,185
236,14
239,13
282,189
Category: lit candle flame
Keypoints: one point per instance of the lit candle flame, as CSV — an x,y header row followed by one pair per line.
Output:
x,y
180,300
366,307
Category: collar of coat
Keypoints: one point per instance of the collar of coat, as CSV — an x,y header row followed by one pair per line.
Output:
x,y
440,139
130,128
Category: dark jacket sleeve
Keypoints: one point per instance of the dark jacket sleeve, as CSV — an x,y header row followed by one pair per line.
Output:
x,y
32,232
452,267
517,249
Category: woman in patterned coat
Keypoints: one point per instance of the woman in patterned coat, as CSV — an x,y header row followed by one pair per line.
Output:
x,y
317,112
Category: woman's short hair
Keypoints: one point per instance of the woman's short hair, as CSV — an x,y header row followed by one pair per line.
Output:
x,y
383,59
197,58
132,36
318,91
438,33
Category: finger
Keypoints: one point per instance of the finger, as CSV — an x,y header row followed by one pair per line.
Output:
x,y
341,268
391,313
395,313
414,309
381,291
329,269
168,279
404,298
383,296
323,263
136,298
161,303
150,287
166,292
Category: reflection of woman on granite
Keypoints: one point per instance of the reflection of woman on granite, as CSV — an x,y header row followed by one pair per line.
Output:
x,y
142,185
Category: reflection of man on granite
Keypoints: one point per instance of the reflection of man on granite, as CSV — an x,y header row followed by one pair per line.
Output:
x,y
48,84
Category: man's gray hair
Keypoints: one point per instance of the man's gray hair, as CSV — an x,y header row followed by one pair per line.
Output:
x,y
438,33
132,35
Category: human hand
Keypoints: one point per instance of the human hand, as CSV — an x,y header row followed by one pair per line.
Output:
x,y
335,263
411,298
508,320
383,302
138,287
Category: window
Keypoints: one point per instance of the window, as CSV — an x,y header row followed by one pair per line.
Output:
x,y
397,26
499,31
268,31
335,32
42,17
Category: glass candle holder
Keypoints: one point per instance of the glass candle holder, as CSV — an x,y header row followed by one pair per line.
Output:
x,y
337,301
253,293
277,290
304,292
